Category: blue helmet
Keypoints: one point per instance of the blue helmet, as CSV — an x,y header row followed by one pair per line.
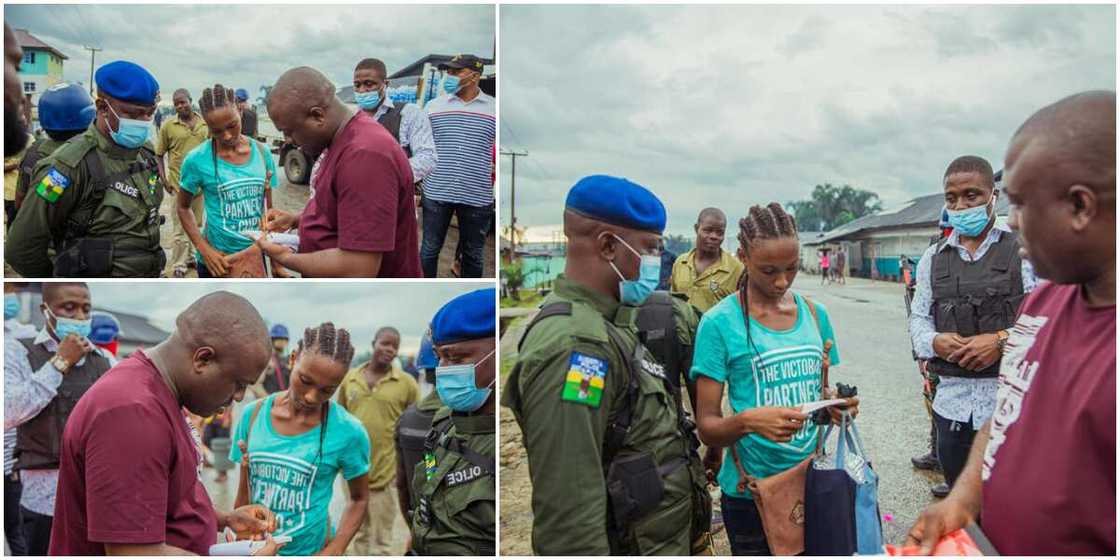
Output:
x,y
66,106
104,328
278,331
426,358
241,94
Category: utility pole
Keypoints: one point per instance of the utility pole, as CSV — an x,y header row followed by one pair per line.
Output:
x,y
513,155
92,54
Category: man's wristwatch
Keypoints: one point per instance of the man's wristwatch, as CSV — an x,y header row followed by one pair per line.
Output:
x,y
60,363
1001,339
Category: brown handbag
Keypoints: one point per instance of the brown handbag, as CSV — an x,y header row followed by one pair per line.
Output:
x,y
780,498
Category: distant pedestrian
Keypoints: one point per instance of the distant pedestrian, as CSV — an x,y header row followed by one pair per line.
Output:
x,y
824,263
177,138
464,127
248,114
841,265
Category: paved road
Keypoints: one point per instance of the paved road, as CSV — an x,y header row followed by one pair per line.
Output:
x,y
870,322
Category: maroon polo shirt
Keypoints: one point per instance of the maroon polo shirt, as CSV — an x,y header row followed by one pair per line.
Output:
x,y
129,469
363,200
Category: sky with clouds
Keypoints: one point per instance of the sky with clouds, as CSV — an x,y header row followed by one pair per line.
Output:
x,y
196,46
731,106
360,307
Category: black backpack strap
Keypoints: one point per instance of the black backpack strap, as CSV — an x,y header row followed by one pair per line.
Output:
x,y
618,426
657,330
553,309
31,158
485,462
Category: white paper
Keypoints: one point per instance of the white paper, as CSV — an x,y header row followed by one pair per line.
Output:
x,y
810,407
290,240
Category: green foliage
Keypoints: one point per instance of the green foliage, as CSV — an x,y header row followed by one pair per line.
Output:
x,y
830,207
514,276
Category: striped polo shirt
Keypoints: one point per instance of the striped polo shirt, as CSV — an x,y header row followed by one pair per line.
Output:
x,y
464,133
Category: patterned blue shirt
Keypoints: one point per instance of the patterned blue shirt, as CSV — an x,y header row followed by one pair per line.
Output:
x,y
958,398
465,132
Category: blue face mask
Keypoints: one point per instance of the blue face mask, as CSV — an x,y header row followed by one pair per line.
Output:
x,y
971,222
64,327
11,306
368,100
635,292
130,133
451,84
456,387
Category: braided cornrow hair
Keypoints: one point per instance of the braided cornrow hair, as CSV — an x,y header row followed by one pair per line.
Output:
x,y
761,222
215,98
326,340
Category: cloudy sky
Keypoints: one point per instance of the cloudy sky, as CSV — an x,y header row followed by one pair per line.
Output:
x,y
196,46
361,308
731,106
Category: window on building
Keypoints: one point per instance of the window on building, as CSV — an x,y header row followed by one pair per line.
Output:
x,y
29,58
28,87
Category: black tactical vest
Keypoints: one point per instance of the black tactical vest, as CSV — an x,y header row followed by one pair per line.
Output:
x,y
657,330
980,297
39,440
412,430
391,120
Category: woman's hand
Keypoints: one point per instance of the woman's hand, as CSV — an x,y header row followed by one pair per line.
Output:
x,y
216,261
271,547
774,423
279,220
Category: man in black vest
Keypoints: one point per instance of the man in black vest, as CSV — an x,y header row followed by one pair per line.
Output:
x,y
969,287
405,121
44,377
413,426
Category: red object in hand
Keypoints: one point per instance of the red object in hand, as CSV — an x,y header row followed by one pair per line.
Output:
x,y
957,543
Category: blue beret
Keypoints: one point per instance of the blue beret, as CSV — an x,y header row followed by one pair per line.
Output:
x,y
617,201
467,317
426,358
127,81
103,328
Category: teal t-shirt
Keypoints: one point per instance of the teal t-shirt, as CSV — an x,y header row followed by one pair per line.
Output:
x,y
286,478
779,368
233,195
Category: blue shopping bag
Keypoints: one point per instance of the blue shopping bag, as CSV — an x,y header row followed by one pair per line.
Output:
x,y
842,499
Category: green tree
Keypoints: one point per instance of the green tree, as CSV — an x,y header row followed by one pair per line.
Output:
x,y
514,276
830,207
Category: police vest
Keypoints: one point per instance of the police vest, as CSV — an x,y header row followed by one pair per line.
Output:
x,y
412,432
39,440
980,297
479,466
657,330
391,120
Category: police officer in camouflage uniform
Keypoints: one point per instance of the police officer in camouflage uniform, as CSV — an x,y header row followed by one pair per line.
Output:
x,y
65,110
612,454
453,487
93,204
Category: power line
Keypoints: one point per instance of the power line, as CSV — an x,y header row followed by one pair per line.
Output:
x,y
92,55
512,200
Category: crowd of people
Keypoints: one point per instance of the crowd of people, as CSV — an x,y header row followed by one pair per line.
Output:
x,y
86,195
1013,325
105,454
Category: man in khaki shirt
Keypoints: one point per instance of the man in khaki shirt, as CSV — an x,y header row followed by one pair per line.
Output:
x,y
177,137
377,392
707,273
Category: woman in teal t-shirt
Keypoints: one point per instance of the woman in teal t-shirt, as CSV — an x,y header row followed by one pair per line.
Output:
x,y
296,444
769,371
234,174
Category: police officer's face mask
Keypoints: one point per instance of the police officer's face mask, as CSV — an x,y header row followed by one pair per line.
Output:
x,y
635,292
456,386
130,133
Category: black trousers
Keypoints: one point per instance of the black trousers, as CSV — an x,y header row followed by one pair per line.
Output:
x,y
36,532
954,442
13,521
744,527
